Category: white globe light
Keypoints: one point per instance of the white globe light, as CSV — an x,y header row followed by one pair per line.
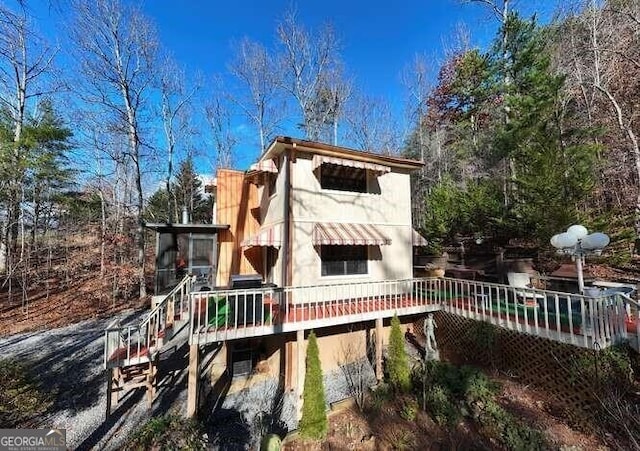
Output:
x,y
577,230
554,241
565,240
596,240
587,243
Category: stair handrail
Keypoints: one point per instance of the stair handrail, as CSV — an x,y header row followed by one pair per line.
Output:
x,y
184,283
158,313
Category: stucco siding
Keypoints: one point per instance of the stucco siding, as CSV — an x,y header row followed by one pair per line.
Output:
x,y
390,211
388,262
311,202
272,206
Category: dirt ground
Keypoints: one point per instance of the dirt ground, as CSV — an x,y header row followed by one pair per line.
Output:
x,y
351,429
42,312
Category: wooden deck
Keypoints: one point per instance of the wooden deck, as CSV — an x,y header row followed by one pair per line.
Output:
x,y
566,317
234,314
215,324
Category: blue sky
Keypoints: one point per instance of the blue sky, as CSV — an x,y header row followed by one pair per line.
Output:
x,y
379,37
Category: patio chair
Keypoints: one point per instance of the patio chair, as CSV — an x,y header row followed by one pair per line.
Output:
x,y
525,296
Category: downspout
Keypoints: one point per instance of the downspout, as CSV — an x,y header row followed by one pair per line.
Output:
x,y
292,159
286,232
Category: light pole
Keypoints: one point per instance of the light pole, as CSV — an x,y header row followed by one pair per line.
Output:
x,y
577,241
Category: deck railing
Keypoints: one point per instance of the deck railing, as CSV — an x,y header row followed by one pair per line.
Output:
x,y
572,318
229,314
592,322
135,344
632,318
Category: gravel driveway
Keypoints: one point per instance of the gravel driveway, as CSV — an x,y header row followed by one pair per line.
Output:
x,y
68,361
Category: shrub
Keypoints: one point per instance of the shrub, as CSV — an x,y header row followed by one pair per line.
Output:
x,y
20,396
457,391
313,423
167,432
398,366
503,427
409,409
400,438
440,405
379,396
271,442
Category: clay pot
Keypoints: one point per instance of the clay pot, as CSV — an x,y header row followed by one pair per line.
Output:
x,y
436,272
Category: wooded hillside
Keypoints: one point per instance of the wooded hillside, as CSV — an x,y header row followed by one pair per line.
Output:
x,y
537,132
101,130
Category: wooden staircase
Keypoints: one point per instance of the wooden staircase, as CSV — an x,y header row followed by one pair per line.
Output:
x,y
132,353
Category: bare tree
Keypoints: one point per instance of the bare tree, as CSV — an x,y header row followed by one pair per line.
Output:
x,y
357,369
605,53
329,104
259,97
308,60
219,114
416,79
175,102
26,73
116,48
371,125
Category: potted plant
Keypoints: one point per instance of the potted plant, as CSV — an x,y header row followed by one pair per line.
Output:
x,y
436,264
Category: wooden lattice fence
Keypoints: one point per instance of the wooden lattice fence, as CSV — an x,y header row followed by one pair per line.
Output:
x,y
548,365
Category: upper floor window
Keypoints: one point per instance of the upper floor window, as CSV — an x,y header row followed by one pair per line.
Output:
x,y
343,178
272,184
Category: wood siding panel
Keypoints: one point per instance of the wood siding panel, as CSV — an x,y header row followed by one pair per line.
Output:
x,y
237,205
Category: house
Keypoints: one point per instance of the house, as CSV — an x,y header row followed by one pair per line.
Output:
x,y
316,221
314,214
317,237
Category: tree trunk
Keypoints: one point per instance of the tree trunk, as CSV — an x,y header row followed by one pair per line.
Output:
x,y
625,127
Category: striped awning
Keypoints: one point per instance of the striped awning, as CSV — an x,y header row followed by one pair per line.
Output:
x,y
417,239
325,233
377,168
266,236
264,166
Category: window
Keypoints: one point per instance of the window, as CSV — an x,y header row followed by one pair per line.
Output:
x,y
241,362
343,260
342,178
272,179
272,184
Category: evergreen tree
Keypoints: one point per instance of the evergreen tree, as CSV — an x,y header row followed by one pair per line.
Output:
x,y
398,366
511,160
313,423
40,169
188,192
160,208
46,139
552,159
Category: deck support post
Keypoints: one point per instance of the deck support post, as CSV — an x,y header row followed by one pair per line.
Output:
x,y
151,379
109,392
193,388
300,371
379,370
